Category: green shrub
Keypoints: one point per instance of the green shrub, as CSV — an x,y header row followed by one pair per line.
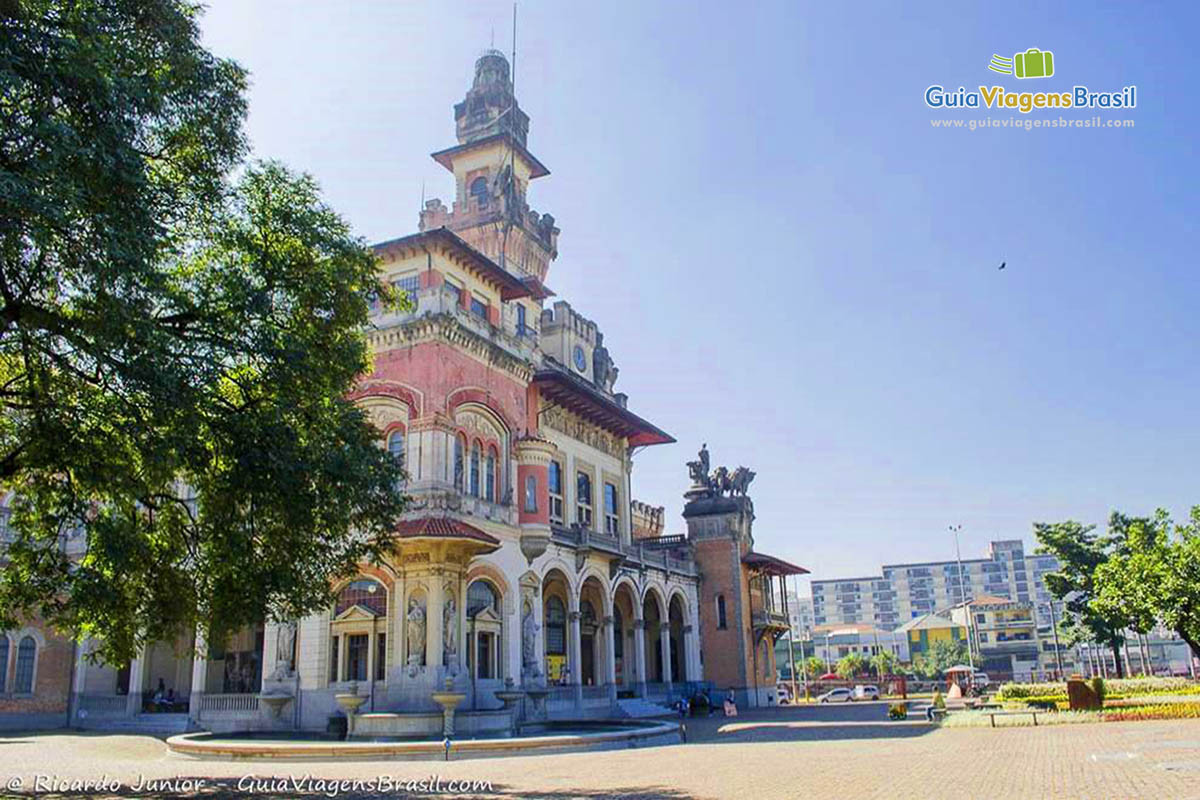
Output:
x,y
1098,688
898,711
1127,687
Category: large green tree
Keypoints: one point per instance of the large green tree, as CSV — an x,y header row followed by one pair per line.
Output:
x,y
941,656
175,345
1156,577
1081,551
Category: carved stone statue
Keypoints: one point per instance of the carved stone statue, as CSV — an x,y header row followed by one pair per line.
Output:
x,y
698,469
720,480
529,629
450,632
603,372
285,650
416,633
739,482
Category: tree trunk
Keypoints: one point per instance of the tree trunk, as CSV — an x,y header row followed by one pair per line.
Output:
x,y
1193,645
1116,649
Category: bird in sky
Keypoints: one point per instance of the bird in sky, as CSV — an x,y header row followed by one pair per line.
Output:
x,y
1003,264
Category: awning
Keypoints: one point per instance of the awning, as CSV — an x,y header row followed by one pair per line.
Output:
x,y
444,528
579,397
771,565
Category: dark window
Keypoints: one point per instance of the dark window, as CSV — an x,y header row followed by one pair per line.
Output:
x,y
357,645
457,291
611,516
460,445
583,499
396,446
521,330
3,662
380,656
408,287
490,476
333,658
720,611
556,631
479,192
475,469
619,633
556,492
530,494
481,596
478,307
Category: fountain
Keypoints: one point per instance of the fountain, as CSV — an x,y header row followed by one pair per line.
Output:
x,y
448,699
537,695
350,702
510,696
274,701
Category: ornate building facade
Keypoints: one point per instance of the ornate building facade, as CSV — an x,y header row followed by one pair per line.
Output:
x,y
523,560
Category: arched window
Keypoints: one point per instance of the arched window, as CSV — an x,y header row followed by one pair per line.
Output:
x,y
363,592
3,663
490,476
482,596
479,191
460,446
395,446
530,494
26,653
353,640
720,611
556,626
475,469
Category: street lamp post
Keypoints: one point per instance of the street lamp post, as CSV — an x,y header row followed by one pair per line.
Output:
x,y
962,592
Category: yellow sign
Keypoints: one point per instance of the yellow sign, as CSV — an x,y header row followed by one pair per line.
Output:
x,y
554,668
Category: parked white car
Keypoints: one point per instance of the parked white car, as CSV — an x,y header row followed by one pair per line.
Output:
x,y
981,680
836,696
867,692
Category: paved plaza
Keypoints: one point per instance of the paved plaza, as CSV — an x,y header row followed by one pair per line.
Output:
x,y
778,753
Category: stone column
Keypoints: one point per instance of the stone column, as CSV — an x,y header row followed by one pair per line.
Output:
x,y
686,659
79,687
200,676
137,677
343,642
610,658
639,656
575,656
664,640
434,655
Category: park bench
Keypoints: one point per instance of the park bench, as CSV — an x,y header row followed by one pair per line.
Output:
x,y
1032,713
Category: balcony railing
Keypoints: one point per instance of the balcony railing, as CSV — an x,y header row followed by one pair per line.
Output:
x,y
103,703
768,619
229,703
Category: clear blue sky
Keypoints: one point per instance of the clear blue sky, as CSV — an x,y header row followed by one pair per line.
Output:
x,y
789,263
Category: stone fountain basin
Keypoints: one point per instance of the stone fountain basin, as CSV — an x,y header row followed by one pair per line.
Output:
x,y
551,737
429,723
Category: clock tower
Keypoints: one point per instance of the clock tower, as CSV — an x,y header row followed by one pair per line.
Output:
x,y
492,169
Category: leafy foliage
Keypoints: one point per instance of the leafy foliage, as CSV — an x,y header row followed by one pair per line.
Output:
x,y
884,662
850,665
174,347
1080,552
941,656
1156,577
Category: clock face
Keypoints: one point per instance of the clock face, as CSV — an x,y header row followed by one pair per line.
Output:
x,y
580,359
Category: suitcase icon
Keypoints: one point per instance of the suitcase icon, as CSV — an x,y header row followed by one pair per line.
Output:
x,y
1034,63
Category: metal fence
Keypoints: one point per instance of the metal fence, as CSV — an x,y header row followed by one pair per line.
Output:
x,y
229,703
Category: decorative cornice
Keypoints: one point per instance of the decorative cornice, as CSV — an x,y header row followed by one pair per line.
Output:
x,y
446,328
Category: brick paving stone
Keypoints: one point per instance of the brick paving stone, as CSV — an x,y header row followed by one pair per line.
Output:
x,y
777,753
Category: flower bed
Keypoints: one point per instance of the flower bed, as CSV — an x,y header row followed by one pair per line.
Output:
x,y
1152,711
1124,687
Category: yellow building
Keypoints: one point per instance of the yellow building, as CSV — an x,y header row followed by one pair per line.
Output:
x,y
925,631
